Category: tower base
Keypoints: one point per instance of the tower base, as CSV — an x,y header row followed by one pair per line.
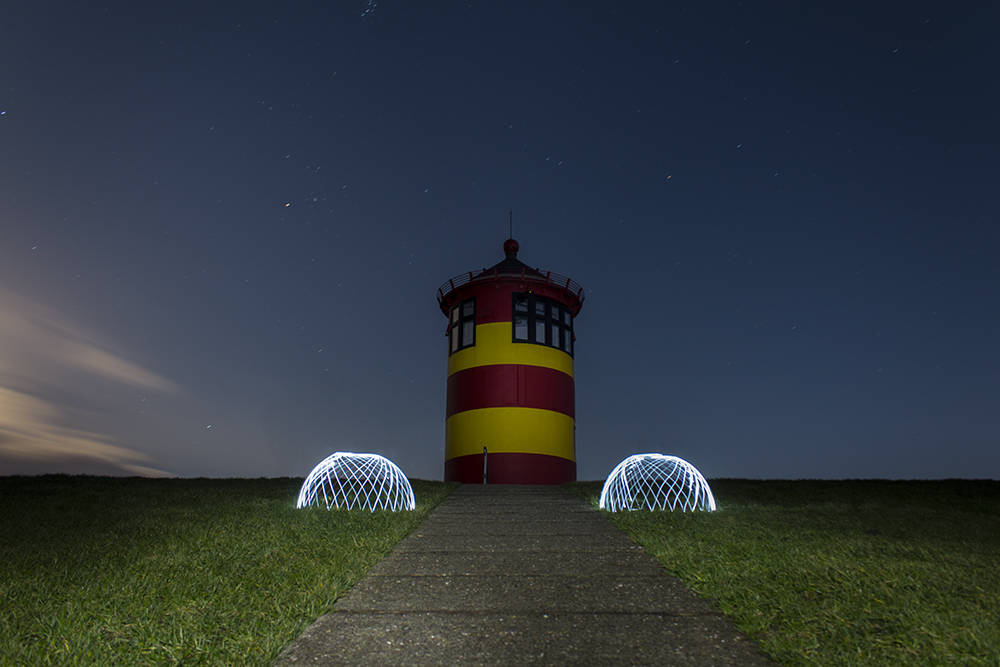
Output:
x,y
511,468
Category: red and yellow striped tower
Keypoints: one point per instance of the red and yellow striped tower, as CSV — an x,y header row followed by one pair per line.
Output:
x,y
510,374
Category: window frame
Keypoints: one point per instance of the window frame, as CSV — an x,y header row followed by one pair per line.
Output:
x,y
458,319
541,314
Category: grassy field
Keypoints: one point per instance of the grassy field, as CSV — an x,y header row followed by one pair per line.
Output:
x,y
129,571
842,572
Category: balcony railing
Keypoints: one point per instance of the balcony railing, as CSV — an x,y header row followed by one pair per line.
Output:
x,y
522,274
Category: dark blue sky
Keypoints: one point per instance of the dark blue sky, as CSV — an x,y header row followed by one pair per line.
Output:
x,y
222,226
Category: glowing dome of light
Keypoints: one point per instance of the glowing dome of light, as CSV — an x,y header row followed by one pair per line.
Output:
x,y
364,481
656,482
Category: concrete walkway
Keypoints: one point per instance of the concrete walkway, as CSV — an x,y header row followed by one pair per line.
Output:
x,y
511,575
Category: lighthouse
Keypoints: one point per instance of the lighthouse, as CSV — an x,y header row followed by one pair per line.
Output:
x,y
510,415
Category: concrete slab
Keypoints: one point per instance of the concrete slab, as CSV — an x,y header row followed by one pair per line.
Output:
x,y
502,575
485,640
544,594
587,525
511,511
510,543
576,563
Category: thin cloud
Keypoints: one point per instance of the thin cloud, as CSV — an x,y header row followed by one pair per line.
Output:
x,y
41,354
33,335
29,430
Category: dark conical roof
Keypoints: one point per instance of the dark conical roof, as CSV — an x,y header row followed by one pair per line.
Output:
x,y
510,260
511,269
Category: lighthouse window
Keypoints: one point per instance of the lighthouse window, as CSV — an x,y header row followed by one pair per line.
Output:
x,y
468,333
543,322
462,333
520,327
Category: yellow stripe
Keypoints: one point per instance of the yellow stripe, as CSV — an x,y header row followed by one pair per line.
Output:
x,y
494,345
521,430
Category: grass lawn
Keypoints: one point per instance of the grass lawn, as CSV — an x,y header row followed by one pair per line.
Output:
x,y
859,572
131,571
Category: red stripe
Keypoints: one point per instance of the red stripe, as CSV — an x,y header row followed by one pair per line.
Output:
x,y
511,385
509,468
495,302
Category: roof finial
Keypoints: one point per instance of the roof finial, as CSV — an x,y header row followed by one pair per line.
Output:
x,y
510,246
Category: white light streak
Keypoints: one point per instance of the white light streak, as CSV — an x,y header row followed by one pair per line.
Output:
x,y
363,481
656,481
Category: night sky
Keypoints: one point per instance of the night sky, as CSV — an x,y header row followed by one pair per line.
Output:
x,y
223,225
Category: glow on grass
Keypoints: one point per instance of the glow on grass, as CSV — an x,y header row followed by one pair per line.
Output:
x,y
656,481
363,481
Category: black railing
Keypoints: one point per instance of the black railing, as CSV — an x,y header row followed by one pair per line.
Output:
x,y
523,274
